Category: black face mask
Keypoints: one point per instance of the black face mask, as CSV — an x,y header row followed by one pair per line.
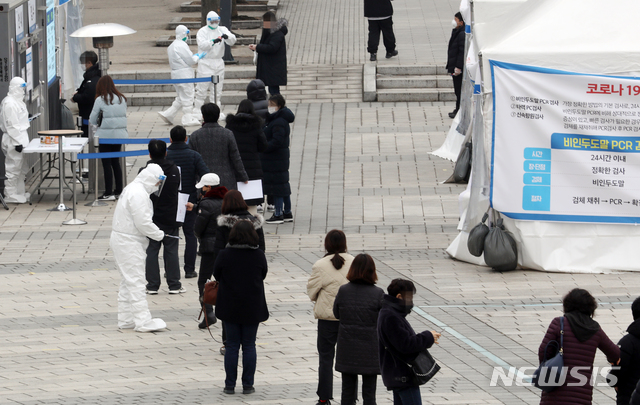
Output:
x,y
203,192
408,308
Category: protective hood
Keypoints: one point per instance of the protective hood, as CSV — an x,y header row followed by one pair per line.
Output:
x,y
256,90
182,32
17,88
213,19
285,113
149,177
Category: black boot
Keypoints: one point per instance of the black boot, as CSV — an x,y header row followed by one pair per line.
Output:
x,y
210,317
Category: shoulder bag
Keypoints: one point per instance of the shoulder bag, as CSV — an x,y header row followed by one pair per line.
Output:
x,y
100,115
549,374
423,367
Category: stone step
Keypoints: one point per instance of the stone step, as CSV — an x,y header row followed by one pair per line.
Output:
x,y
165,99
411,70
194,6
166,40
229,84
431,94
193,23
230,72
413,82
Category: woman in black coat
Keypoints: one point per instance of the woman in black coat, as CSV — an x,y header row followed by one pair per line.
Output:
x,y
272,53
356,306
455,59
241,304
258,96
205,226
247,129
275,159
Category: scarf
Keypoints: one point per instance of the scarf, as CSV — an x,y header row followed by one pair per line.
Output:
x,y
216,192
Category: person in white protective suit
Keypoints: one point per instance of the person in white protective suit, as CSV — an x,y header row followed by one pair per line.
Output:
x,y
211,39
14,123
132,225
182,61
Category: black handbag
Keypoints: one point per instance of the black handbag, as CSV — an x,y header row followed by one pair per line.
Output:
x,y
549,374
100,115
423,367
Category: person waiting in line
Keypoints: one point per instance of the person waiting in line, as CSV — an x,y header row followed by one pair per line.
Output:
x,y
275,159
246,126
192,168
258,96
208,209
165,210
241,269
629,373
218,148
399,343
110,108
271,67
582,337
85,95
327,276
455,58
379,14
356,306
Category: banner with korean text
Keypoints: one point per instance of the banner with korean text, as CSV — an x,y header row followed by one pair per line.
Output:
x,y
566,146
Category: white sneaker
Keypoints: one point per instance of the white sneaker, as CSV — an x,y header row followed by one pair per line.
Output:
x,y
271,207
152,292
260,208
165,118
180,291
152,325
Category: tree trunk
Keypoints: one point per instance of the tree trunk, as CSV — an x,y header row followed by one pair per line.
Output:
x,y
208,5
234,9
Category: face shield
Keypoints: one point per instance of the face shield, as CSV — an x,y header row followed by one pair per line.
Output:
x,y
213,20
160,184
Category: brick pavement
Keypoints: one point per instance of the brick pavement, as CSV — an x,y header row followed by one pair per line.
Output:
x,y
362,167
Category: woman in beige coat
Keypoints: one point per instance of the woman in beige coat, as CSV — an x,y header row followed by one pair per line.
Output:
x,y
327,275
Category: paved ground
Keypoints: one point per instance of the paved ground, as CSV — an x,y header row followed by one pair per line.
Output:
x,y
361,167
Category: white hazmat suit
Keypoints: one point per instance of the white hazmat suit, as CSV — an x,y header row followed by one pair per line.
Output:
x,y
182,61
14,123
132,225
212,64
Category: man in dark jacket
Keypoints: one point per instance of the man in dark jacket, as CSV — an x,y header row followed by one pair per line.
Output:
x,y
629,373
165,209
455,59
258,96
398,343
192,168
379,14
218,148
85,95
272,53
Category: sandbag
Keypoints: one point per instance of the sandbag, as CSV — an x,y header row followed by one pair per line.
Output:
x,y
462,170
475,242
500,250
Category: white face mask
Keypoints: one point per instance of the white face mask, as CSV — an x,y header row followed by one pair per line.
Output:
x,y
272,110
213,26
454,23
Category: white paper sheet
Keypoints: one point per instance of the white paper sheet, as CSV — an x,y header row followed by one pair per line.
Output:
x,y
251,190
183,199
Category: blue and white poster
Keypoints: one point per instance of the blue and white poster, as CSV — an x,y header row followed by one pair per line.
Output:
x,y
19,14
33,24
51,41
566,146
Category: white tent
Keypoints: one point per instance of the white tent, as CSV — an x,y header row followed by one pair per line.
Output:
x,y
579,36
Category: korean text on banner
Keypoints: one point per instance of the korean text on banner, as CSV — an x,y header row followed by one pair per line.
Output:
x,y
566,146
51,42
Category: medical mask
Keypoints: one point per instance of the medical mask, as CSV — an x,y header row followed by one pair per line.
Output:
x,y
213,26
408,308
272,110
202,191
454,23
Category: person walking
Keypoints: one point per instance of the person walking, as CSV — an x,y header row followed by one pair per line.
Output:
x,y
582,336
356,306
110,115
192,168
379,14
218,148
132,228
399,343
258,96
85,95
247,126
455,58
327,276
629,373
165,210
181,61
241,305
205,228
275,159
272,53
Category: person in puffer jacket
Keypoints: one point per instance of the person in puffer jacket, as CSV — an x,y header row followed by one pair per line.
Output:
x,y
132,225
629,373
257,93
399,343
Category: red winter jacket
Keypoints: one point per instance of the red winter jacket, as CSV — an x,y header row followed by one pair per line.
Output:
x,y
576,354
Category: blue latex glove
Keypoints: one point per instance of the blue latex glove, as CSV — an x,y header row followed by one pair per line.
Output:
x,y
201,55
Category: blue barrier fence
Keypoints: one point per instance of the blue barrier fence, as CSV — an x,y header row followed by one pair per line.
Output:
x,y
165,81
121,141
